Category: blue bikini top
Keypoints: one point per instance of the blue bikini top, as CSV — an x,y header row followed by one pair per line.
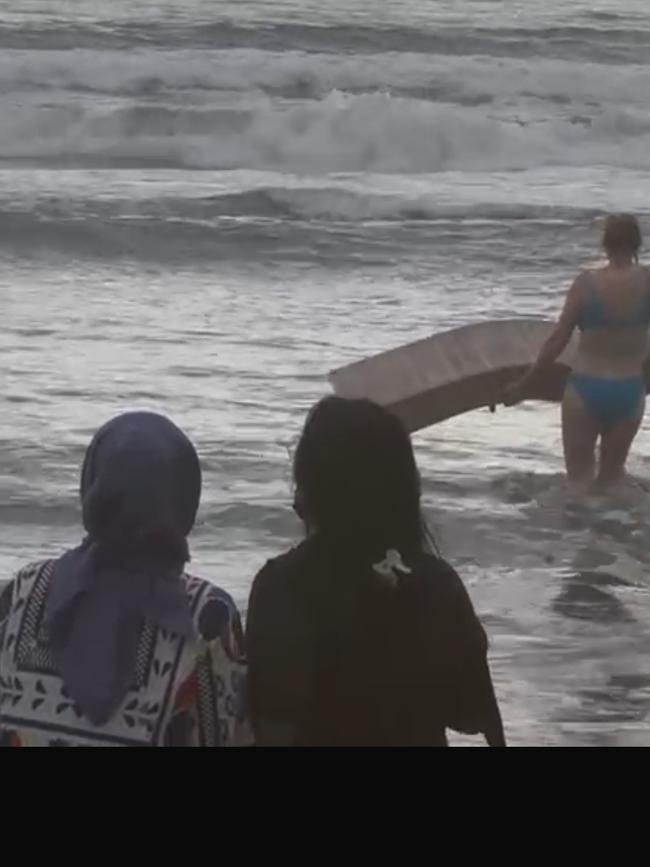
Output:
x,y
594,313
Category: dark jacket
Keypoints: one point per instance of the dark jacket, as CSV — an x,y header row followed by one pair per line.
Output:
x,y
337,657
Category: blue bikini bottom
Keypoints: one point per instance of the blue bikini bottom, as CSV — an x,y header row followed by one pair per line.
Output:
x,y
609,401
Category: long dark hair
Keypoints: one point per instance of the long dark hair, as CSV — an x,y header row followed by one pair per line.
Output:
x,y
357,484
358,491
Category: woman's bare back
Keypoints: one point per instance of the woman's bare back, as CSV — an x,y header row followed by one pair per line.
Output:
x,y
618,346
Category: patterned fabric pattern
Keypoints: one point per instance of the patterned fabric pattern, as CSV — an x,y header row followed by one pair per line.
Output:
x,y
184,693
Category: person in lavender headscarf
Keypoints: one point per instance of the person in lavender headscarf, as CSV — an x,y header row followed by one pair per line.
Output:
x,y
113,643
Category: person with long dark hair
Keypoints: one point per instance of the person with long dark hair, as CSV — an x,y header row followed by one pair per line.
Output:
x,y
363,635
112,643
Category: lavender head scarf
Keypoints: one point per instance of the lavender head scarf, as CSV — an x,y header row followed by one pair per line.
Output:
x,y
140,491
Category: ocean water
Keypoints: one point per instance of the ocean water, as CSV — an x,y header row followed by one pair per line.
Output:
x,y
205,206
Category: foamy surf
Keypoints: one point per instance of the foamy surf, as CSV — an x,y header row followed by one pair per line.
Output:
x,y
340,132
205,207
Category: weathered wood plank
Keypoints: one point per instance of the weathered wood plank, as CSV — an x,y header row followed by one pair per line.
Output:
x,y
455,371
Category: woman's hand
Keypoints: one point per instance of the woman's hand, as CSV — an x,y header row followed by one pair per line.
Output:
x,y
552,347
514,393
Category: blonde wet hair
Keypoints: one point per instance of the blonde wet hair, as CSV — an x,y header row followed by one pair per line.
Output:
x,y
622,234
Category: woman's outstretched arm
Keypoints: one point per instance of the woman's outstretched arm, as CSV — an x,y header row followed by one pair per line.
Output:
x,y
553,346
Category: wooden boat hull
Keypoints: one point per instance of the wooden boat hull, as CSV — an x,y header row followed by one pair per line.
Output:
x,y
456,371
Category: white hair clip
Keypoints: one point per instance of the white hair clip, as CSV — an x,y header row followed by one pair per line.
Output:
x,y
389,567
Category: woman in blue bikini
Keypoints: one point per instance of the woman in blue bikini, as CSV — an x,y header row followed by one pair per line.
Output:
x,y
605,394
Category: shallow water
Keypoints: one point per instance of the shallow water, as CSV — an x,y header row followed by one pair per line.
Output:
x,y
205,207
